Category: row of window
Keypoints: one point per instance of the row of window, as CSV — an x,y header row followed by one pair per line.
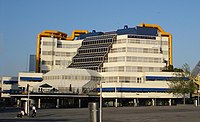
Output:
x,y
111,59
102,37
89,59
57,62
143,59
98,41
47,62
63,62
60,45
10,82
125,79
141,41
70,77
48,43
131,69
135,59
92,50
141,36
138,50
64,54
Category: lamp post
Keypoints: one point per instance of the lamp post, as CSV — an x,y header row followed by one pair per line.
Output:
x,y
28,94
198,95
100,114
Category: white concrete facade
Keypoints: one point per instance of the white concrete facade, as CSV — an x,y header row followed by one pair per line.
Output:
x,y
8,85
57,54
68,80
130,62
25,78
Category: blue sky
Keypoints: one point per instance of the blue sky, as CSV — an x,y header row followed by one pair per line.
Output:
x,y
22,20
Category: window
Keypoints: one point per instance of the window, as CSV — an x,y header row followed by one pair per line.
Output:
x,y
139,80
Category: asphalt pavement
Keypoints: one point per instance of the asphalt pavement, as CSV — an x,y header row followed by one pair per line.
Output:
x,y
183,113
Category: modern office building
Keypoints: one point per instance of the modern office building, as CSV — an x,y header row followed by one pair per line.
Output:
x,y
134,65
32,63
131,61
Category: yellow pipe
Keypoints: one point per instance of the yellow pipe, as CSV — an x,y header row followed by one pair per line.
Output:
x,y
56,34
46,33
163,33
152,26
38,54
76,33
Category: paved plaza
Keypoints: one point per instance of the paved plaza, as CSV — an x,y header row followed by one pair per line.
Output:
x,y
181,113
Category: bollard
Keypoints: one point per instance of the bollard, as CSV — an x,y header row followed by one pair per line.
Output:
x,y
195,103
94,112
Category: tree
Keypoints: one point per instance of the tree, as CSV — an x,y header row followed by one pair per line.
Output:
x,y
182,83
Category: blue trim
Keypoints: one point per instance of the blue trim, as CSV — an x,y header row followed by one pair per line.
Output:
x,y
30,79
152,78
158,78
135,30
6,91
138,31
9,82
134,89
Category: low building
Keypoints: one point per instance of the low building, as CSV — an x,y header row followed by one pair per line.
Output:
x,y
8,85
59,88
28,78
152,90
68,80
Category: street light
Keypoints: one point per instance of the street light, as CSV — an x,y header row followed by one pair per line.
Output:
x,y
100,111
28,94
198,94
28,99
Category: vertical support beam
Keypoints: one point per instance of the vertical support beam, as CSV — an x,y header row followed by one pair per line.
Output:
x,y
170,102
79,103
57,105
62,102
198,95
39,103
153,102
26,107
115,102
18,103
135,102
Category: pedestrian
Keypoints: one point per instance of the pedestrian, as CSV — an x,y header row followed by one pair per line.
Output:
x,y
33,111
21,113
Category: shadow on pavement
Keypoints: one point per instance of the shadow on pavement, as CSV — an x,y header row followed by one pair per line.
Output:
x,y
33,120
